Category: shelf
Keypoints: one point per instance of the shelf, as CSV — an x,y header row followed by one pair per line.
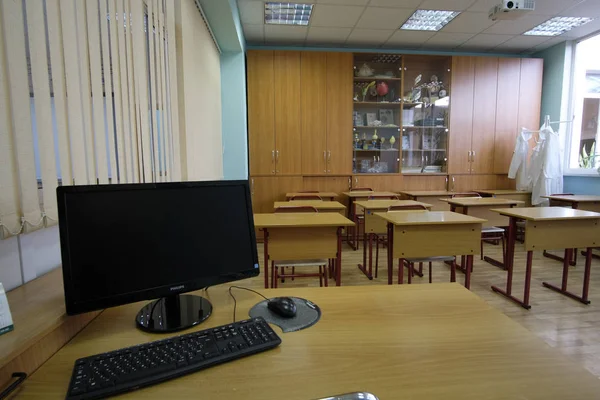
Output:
x,y
383,151
424,150
377,127
425,126
376,103
372,78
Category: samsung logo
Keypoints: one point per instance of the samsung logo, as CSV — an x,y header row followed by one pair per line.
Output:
x,y
177,287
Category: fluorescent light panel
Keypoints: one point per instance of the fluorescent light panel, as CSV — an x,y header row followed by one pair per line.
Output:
x,y
557,26
287,13
429,20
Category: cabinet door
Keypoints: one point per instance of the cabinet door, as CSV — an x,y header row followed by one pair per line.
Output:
x,y
530,96
461,115
313,104
264,192
261,104
507,112
484,113
288,139
468,183
339,112
382,183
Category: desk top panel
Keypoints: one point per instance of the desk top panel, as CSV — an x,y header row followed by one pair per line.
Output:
x,y
481,202
318,204
384,204
546,213
449,342
428,218
501,191
579,198
300,220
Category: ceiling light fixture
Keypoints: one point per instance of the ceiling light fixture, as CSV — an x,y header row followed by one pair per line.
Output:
x,y
429,20
287,13
557,26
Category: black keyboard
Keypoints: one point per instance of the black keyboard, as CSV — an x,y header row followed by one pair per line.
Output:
x,y
131,368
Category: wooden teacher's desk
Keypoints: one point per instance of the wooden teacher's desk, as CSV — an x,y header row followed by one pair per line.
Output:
x,y
375,225
297,236
431,234
550,228
436,341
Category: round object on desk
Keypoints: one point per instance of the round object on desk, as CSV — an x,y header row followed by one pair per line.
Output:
x,y
307,314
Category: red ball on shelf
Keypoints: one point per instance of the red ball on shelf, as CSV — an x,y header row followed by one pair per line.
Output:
x,y
382,89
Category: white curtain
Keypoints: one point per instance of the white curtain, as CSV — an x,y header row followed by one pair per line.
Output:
x,y
85,98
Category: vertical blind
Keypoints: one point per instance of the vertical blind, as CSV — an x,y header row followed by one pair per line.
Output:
x,y
85,98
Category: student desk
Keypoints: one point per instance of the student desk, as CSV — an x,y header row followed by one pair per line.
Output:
x,y
436,341
355,196
321,206
430,234
580,202
551,228
513,194
324,195
374,225
296,236
429,196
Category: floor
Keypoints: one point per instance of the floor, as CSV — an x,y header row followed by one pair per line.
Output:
x,y
565,324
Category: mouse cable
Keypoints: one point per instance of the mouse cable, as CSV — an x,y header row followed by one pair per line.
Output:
x,y
235,301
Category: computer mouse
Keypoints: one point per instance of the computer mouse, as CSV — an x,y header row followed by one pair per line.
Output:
x,y
282,306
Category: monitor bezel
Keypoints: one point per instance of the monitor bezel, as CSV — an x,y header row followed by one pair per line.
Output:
x,y
76,307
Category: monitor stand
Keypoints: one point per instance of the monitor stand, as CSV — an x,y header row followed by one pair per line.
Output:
x,y
173,313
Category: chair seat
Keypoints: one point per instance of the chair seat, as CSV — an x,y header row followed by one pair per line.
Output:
x,y
302,263
492,229
430,259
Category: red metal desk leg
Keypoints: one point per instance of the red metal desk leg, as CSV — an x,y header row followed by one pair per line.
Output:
x,y
338,268
401,272
363,267
527,288
586,278
390,251
266,262
468,269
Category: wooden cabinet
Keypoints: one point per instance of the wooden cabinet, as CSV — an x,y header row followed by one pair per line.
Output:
x,y
261,112
339,113
386,183
274,121
266,190
507,110
313,100
467,183
473,117
424,182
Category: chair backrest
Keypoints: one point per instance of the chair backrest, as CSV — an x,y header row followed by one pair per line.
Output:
x,y
383,197
466,194
361,189
408,207
296,209
306,197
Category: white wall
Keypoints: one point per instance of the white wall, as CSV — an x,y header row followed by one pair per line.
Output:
x,y
199,90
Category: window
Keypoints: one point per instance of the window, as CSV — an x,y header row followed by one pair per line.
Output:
x,y
584,155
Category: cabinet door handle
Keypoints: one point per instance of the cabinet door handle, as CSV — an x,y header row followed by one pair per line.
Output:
x,y
447,184
469,157
453,181
325,160
272,155
252,187
356,181
329,156
349,183
277,155
473,156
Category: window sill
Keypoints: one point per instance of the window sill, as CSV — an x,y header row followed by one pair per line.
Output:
x,y
586,173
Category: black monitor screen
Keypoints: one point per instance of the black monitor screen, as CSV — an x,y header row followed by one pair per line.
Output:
x,y
125,243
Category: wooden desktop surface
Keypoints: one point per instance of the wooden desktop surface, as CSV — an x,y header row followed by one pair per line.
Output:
x,y
328,195
436,341
428,218
546,213
298,220
361,194
318,204
384,204
579,198
481,201
493,192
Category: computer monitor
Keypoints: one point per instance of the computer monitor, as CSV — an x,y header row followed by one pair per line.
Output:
x,y
125,243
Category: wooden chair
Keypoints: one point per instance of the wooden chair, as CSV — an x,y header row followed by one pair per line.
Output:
x,y
555,203
358,219
382,238
306,197
323,264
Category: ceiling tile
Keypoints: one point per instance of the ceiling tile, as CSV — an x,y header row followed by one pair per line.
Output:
x,y
383,18
376,37
335,16
252,12
588,8
447,40
551,42
395,3
327,35
254,33
553,7
484,5
406,39
520,43
469,22
456,5
285,33
584,30
484,41
516,26
342,2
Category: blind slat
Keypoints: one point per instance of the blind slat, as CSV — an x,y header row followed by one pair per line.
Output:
x,y
133,112
58,86
73,94
152,90
173,95
118,105
108,91
95,64
18,90
43,107
10,208
166,154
